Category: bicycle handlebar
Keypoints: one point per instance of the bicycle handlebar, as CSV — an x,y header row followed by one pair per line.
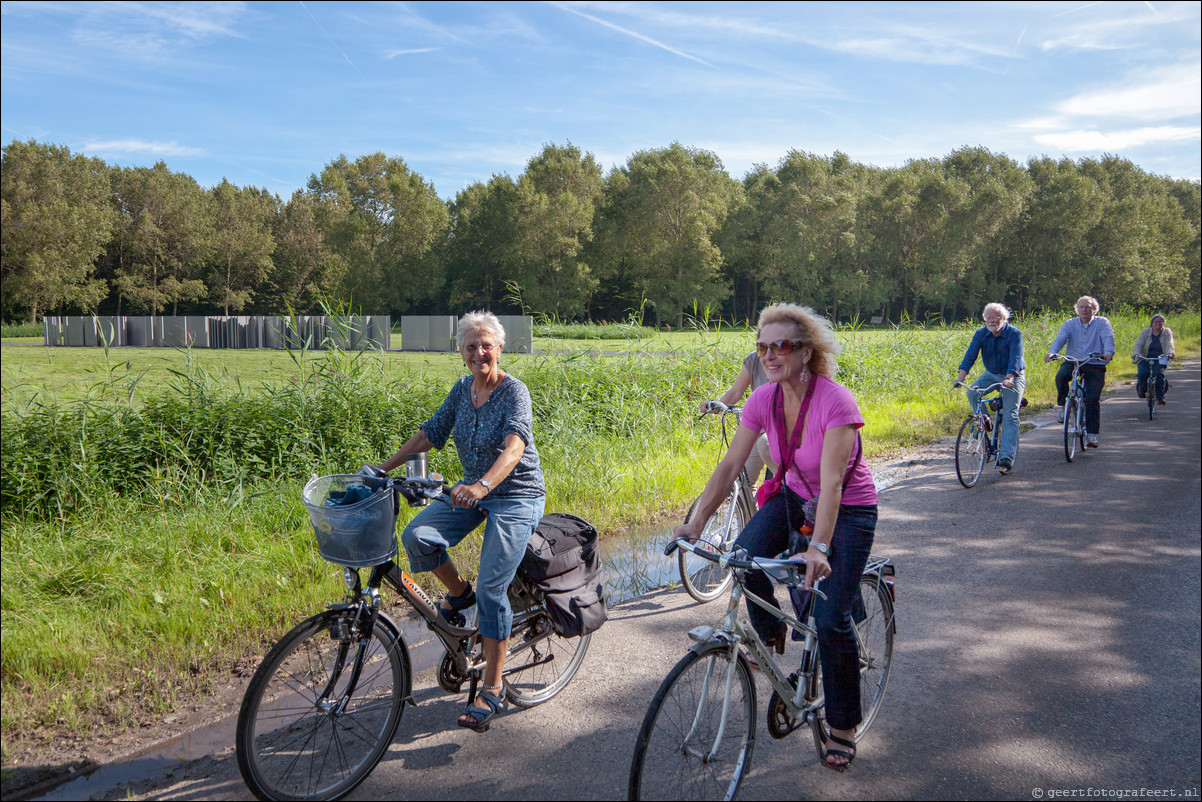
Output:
x,y
1075,361
980,390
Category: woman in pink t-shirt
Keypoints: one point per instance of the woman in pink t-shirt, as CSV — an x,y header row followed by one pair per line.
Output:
x,y
797,348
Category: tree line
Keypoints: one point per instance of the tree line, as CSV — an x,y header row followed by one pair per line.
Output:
x,y
669,234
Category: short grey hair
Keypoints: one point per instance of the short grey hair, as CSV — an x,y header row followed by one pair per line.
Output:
x,y
484,321
1089,299
1158,315
996,307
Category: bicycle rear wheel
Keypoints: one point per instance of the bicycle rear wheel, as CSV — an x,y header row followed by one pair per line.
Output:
x,y
874,638
297,737
702,579
1070,428
970,451
678,754
541,663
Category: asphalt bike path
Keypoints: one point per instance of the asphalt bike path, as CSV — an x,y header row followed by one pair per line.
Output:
x,y
1048,645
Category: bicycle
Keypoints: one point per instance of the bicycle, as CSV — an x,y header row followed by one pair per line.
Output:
x,y
703,579
1074,407
1156,380
696,739
325,703
980,434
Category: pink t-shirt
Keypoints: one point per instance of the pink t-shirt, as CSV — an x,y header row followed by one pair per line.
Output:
x,y
832,405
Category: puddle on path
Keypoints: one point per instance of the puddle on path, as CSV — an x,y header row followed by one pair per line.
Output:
x,y
634,565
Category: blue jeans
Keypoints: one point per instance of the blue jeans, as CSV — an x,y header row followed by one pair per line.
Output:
x,y
1141,379
507,528
766,535
1011,400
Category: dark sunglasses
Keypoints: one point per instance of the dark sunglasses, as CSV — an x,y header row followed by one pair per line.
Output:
x,y
778,347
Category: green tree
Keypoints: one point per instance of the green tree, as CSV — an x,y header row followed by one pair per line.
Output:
x,y
556,199
55,218
166,231
481,250
385,221
242,243
304,269
1044,263
660,214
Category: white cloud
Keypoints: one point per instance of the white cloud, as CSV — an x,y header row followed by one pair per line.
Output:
x,y
1167,94
391,54
1111,141
142,147
634,34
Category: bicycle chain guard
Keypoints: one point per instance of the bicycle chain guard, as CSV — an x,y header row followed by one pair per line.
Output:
x,y
780,723
449,679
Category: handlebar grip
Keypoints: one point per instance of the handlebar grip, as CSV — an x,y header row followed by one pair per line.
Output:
x,y
672,546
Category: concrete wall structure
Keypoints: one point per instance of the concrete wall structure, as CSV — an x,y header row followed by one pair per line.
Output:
x,y
242,331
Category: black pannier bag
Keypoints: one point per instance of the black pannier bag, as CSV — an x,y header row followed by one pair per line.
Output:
x,y
563,560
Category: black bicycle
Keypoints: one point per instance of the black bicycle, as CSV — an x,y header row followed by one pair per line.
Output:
x,y
325,703
1157,383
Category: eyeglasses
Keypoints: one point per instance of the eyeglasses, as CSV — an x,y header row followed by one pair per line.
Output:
x,y
778,347
485,348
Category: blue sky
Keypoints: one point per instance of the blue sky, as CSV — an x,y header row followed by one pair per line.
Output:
x,y
265,94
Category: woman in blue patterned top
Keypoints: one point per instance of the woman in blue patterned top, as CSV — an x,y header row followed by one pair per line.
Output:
x,y
489,416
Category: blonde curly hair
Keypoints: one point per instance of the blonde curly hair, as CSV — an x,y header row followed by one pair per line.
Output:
x,y
813,330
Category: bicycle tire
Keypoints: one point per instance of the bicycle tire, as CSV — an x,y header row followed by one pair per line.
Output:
x,y
1070,424
1153,386
546,662
667,763
289,746
702,579
874,637
970,451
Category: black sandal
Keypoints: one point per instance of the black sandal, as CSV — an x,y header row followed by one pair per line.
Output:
x,y
839,753
481,717
461,602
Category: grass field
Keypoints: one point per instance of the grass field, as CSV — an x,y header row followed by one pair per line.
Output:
x,y
151,525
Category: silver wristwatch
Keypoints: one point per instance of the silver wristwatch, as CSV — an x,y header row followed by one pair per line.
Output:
x,y
823,549
487,485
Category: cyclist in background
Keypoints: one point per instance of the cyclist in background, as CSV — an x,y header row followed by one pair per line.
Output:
x,y
751,376
1000,347
1154,341
1081,336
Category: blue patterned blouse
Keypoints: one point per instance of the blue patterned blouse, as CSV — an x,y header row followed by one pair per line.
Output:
x,y
479,434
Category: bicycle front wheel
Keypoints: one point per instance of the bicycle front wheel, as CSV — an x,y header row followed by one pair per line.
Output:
x,y
970,451
541,663
303,733
679,754
702,579
1070,428
874,640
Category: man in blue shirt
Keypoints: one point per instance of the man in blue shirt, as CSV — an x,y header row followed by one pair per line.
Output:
x,y
1088,333
1000,347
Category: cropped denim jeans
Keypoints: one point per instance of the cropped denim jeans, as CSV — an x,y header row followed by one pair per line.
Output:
x,y
767,535
508,524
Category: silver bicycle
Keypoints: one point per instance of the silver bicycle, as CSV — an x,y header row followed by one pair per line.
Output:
x,y
706,580
697,737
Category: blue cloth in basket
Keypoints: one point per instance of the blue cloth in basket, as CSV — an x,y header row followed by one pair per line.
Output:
x,y
352,495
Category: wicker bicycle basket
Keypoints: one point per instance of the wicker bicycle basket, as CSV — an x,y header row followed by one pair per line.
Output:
x,y
358,535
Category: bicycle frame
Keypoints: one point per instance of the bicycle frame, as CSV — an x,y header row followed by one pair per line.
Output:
x,y
732,632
